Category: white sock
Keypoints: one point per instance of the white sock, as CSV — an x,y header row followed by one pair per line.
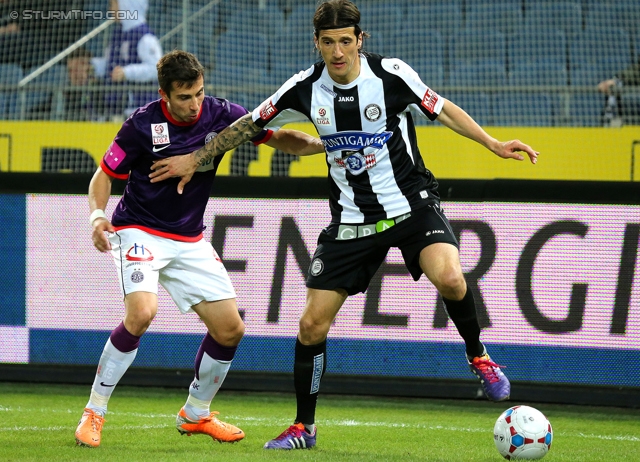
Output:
x,y
112,366
211,374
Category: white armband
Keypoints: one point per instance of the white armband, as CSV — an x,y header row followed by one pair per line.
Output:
x,y
97,213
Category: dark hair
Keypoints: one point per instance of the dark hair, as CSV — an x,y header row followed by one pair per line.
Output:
x,y
80,52
180,67
337,14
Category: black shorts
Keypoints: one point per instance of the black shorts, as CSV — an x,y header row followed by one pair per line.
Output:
x,y
344,261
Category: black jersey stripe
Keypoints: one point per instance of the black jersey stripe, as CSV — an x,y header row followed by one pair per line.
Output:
x,y
348,118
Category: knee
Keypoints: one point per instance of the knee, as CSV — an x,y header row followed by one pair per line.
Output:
x,y
137,323
312,332
230,336
452,285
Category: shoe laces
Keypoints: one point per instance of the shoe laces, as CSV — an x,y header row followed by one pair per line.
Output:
x,y
293,430
212,418
96,422
487,368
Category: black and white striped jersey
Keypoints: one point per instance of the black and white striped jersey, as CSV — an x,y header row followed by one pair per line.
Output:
x,y
376,171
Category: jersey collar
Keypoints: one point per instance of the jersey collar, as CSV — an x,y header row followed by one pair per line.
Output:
x,y
167,114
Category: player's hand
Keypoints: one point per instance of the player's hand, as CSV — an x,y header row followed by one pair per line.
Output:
x,y
606,85
100,227
117,74
512,149
177,166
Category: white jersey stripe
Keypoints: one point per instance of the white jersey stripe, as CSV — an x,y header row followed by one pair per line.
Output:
x,y
376,169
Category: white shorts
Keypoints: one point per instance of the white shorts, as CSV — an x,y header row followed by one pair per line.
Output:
x,y
191,272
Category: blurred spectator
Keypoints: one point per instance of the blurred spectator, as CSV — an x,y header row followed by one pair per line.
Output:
x,y
79,102
33,31
620,108
131,56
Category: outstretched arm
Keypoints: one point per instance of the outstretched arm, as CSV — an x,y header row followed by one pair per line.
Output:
x,y
185,166
295,142
460,122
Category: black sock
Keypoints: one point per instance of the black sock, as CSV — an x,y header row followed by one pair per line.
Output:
x,y
464,316
308,368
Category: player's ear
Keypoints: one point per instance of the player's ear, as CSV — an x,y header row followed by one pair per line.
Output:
x,y
163,95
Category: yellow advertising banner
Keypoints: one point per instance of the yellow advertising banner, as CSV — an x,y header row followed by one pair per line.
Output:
x,y
566,153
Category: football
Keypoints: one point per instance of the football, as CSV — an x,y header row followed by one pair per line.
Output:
x,y
522,432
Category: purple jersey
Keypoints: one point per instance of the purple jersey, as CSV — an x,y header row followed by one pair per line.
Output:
x,y
151,134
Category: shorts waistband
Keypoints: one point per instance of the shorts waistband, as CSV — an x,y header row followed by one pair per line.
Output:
x,y
346,232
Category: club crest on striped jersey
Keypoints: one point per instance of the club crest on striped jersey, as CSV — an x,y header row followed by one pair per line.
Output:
x,y
323,115
138,252
372,112
160,133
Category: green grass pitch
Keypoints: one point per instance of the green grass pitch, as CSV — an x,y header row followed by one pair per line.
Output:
x,y
37,423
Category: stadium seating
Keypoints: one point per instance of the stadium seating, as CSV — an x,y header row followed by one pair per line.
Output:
x,y
587,76
241,58
607,50
269,21
55,76
565,16
298,53
542,73
504,17
479,48
300,19
619,14
10,74
523,109
380,17
476,104
478,75
428,60
203,23
376,44
444,17
537,46
585,109
471,46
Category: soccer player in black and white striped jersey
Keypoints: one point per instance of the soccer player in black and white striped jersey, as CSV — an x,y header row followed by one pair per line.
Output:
x,y
381,193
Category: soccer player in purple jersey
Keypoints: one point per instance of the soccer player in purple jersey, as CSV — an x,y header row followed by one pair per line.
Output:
x,y
156,236
381,193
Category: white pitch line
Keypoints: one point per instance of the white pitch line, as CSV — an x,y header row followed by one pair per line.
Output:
x,y
269,420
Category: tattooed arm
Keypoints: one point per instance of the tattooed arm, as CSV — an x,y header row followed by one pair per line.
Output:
x,y
185,166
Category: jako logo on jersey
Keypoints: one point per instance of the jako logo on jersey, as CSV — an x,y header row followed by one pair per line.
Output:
x,y
346,99
138,253
435,231
429,100
160,133
323,116
268,110
354,140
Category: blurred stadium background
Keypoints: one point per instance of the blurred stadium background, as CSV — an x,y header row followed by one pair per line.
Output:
x,y
509,63
525,69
